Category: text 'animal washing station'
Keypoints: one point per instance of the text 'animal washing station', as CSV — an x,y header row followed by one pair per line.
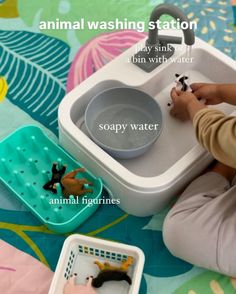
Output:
x,y
146,183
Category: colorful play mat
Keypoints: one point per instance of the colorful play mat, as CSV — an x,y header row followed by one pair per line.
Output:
x,y
37,68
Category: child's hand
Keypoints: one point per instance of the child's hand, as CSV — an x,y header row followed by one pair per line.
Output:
x,y
181,101
209,92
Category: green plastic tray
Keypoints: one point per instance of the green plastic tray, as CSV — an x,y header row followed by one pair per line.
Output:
x,y
26,158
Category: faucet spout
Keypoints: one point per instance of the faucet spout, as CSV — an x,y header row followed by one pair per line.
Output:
x,y
176,13
157,49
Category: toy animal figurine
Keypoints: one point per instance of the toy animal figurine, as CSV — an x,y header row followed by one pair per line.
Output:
x,y
56,178
72,288
74,186
123,267
109,272
181,83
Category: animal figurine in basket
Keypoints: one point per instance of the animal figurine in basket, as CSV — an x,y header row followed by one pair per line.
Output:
x,y
74,186
109,272
72,288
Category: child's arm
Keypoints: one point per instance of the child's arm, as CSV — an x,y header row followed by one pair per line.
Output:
x,y
215,131
228,93
215,93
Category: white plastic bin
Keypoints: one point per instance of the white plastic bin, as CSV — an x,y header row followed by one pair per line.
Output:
x,y
78,255
144,185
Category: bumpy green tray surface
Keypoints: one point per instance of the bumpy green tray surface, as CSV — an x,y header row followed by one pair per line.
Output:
x,y
26,158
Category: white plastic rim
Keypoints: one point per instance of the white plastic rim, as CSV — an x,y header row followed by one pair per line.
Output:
x,y
163,181
105,245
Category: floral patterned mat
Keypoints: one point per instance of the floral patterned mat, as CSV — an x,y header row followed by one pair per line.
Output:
x,y
39,68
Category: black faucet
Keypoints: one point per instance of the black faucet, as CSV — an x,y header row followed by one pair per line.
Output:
x,y
158,48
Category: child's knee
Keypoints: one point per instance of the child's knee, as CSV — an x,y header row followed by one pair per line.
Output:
x,y
175,234
186,238
169,231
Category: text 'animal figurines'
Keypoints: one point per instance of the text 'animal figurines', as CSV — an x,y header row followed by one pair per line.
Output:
x,y
109,272
70,185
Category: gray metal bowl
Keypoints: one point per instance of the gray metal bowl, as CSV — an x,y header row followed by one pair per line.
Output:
x,y
127,108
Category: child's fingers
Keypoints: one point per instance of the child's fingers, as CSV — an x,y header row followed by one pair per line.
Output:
x,y
72,281
196,86
173,112
174,94
200,93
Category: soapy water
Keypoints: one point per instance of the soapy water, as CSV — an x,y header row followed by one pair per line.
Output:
x,y
127,138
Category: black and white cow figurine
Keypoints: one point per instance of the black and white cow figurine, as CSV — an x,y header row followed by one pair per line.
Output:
x,y
182,83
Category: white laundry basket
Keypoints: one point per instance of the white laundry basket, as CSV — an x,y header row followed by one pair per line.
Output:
x,y
78,255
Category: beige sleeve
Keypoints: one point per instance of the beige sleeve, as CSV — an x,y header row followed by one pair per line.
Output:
x,y
216,132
